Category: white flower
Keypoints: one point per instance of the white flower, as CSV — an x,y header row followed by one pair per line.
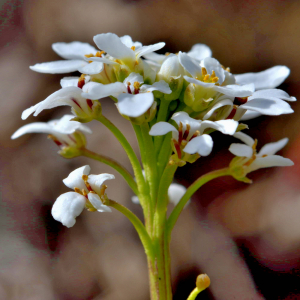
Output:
x,y
190,137
74,53
134,97
60,131
123,49
88,189
175,193
248,160
71,95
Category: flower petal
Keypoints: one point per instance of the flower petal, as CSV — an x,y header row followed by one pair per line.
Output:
x,y
161,86
69,81
267,79
241,150
134,105
271,107
97,203
101,59
95,90
73,50
92,68
224,126
184,118
161,128
202,144
273,93
248,140
199,52
198,82
58,67
250,115
112,44
67,207
37,127
269,161
148,49
236,90
132,78
222,103
74,180
272,148
189,64
155,57
176,192
96,181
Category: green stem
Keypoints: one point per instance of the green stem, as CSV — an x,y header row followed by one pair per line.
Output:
x,y
164,154
115,165
131,155
138,225
190,192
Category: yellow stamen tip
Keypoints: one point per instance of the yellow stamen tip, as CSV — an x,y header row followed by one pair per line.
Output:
x,y
213,74
89,55
206,77
133,48
215,79
202,282
77,190
85,177
99,53
204,72
136,85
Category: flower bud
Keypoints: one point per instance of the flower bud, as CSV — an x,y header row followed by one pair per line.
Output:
x,y
202,282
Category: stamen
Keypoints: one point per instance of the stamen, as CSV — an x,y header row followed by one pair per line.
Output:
x,y
233,112
132,48
227,69
55,140
89,103
204,72
85,179
240,100
81,81
75,101
213,74
102,190
177,147
84,193
187,131
197,133
128,88
136,86
77,190
206,77
180,133
99,53
89,55
215,79
168,53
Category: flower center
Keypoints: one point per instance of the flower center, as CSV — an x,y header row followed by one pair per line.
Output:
x,y
205,77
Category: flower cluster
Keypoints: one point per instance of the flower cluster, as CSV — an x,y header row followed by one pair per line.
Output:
x,y
188,94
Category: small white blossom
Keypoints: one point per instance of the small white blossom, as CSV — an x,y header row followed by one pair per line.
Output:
x,y
74,53
88,192
134,97
60,131
248,160
190,133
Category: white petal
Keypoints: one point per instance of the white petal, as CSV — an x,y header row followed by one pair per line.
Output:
x,y
101,59
267,79
74,180
248,140
112,44
69,81
127,41
272,148
67,207
199,52
65,126
189,64
58,67
184,118
27,112
235,90
37,127
201,144
73,50
241,150
132,78
176,192
161,128
224,126
270,161
250,115
271,107
97,203
149,73
211,64
96,181
198,82
222,103
61,97
170,67
92,68
135,199
148,49
95,90
161,86
158,58
134,105
273,93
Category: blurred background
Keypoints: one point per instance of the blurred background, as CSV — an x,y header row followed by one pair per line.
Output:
x,y
245,237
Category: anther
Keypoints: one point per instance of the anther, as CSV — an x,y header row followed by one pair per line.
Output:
x,y
204,72
187,131
177,147
213,74
215,79
99,53
77,190
132,48
206,77
136,86
89,55
102,190
81,81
